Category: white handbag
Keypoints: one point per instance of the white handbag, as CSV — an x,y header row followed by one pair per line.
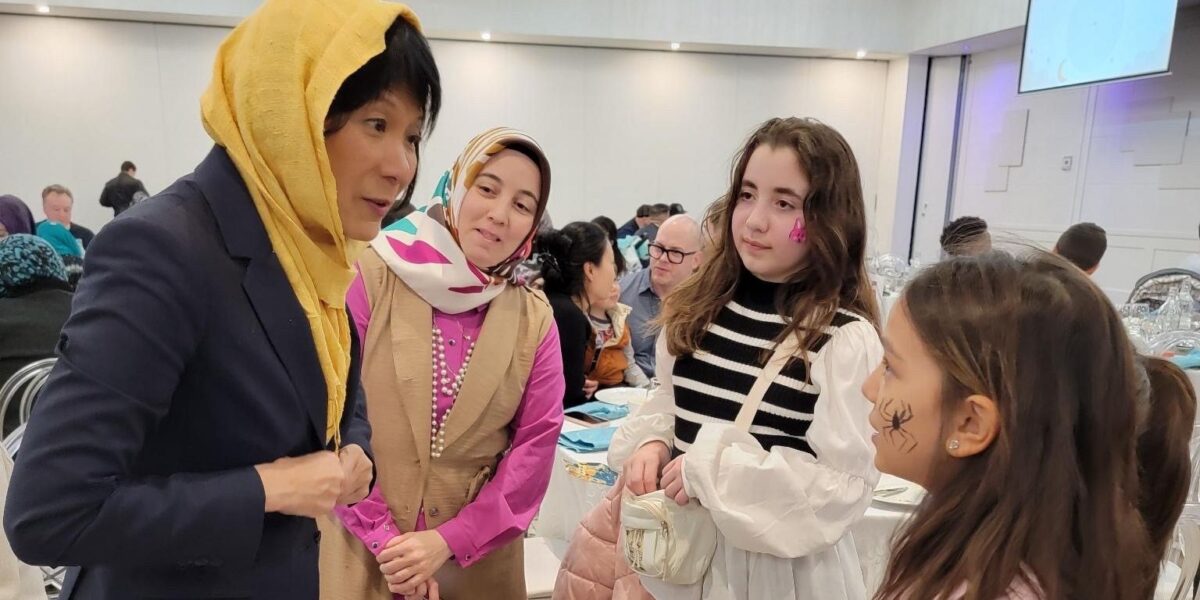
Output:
x,y
674,543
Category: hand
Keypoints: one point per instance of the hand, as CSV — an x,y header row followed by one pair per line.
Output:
x,y
427,590
356,471
642,469
589,387
411,559
672,481
302,486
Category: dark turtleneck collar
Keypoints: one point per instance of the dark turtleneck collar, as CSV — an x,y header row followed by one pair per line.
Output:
x,y
756,294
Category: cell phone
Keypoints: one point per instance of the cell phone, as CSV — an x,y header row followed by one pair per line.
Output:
x,y
583,417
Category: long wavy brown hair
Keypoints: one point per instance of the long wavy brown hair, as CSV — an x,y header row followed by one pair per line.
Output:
x,y
1053,500
833,277
1164,460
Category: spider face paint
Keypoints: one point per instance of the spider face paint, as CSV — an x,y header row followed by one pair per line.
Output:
x,y
896,414
905,393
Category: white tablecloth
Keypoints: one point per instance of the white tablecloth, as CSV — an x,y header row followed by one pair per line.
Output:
x,y
568,500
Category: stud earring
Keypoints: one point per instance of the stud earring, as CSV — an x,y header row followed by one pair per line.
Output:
x,y
953,445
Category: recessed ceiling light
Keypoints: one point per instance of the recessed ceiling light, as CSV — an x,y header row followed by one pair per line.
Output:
x,y
674,45
860,54
486,36
42,8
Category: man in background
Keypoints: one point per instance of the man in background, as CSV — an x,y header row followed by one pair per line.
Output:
x,y
57,204
124,190
966,236
1084,245
675,254
637,222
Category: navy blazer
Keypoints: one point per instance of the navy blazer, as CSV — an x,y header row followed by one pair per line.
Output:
x,y
186,361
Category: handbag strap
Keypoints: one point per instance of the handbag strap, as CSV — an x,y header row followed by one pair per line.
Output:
x,y
783,353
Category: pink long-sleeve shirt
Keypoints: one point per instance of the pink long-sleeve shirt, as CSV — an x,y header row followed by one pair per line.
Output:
x,y
507,504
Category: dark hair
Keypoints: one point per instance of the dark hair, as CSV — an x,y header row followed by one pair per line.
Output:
x,y
1053,499
128,166
406,63
400,209
54,188
658,210
961,232
1164,462
836,275
1083,244
563,254
610,228
643,211
677,209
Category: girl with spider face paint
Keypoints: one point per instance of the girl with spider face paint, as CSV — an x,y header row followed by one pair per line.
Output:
x,y
906,391
1010,391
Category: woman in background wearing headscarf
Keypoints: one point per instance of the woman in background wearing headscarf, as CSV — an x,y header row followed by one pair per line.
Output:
x,y
15,216
205,407
464,382
35,300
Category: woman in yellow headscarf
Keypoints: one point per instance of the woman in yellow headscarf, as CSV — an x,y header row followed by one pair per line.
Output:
x,y
205,407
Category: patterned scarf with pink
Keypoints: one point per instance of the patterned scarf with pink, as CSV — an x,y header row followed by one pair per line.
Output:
x,y
423,248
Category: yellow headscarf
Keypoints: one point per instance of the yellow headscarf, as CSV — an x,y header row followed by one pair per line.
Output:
x,y
273,82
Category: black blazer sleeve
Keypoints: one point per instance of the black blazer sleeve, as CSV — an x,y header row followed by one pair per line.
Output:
x,y
138,316
356,429
574,333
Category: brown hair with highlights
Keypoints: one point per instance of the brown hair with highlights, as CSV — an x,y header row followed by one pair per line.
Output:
x,y
1054,499
833,277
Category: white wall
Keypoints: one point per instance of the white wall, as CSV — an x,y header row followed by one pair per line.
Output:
x,y
937,157
899,156
1134,148
622,127
885,26
82,96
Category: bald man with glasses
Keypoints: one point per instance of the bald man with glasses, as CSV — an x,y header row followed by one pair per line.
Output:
x,y
675,254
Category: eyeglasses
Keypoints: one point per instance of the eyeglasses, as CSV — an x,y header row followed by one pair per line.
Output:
x,y
674,257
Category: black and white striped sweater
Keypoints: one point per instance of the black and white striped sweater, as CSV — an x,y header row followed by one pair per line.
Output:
x,y
711,384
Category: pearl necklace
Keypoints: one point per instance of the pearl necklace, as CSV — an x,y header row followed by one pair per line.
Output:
x,y
447,386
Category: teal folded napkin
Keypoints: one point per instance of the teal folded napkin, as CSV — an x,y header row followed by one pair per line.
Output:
x,y
587,440
1187,361
601,411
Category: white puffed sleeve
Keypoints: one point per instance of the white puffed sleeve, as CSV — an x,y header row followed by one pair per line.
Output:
x,y
655,420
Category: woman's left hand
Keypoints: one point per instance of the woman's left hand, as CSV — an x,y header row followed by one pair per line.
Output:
x,y
589,387
672,481
411,559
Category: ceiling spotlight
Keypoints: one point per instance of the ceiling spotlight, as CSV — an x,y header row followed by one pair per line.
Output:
x,y
486,36
42,8
860,54
674,45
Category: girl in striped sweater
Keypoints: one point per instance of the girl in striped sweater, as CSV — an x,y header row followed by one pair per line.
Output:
x,y
787,261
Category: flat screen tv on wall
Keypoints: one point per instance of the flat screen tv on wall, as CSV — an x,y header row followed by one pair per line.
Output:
x,y
1080,42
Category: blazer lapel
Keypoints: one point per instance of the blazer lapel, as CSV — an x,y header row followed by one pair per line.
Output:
x,y
264,282
287,328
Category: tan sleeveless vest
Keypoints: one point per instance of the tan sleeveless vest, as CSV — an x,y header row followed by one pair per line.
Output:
x,y
397,381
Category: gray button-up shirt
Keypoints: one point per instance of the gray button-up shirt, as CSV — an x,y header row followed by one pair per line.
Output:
x,y
638,295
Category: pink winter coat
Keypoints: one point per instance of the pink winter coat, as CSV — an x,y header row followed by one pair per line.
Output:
x,y
594,568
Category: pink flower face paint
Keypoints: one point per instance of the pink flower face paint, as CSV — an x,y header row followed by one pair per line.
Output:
x,y
799,232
